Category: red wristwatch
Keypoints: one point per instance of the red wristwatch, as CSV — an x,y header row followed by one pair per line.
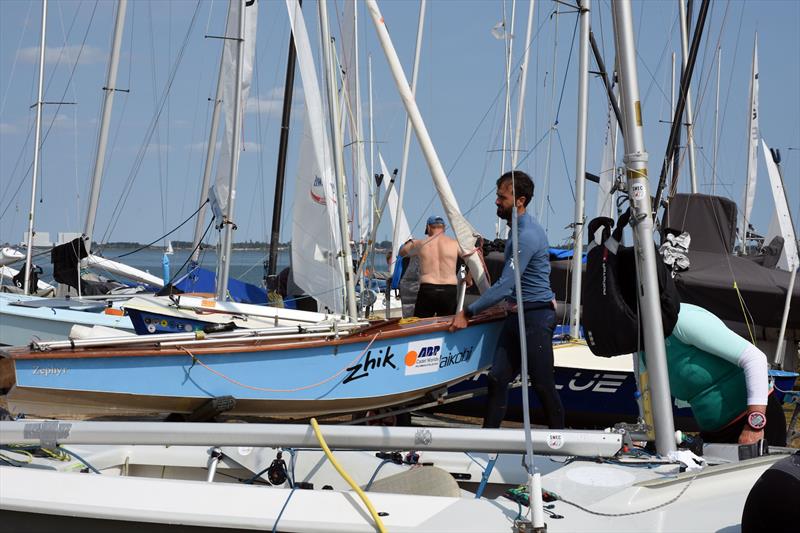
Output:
x,y
757,420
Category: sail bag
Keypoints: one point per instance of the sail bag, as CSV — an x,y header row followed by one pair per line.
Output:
x,y
610,305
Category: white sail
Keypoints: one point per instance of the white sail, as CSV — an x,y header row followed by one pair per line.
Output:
x,y
781,221
316,265
228,79
605,201
404,231
752,145
353,90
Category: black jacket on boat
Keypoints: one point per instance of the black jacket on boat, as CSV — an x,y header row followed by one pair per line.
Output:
x,y
610,305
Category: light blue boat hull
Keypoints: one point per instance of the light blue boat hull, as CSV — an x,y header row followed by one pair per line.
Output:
x,y
323,378
18,325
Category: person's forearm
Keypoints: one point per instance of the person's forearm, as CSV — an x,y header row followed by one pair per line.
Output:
x,y
756,375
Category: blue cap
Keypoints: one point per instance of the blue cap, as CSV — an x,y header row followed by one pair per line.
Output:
x,y
435,220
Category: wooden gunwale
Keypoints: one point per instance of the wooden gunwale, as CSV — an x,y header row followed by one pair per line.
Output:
x,y
384,330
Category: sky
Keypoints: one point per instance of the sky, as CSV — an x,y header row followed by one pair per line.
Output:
x,y
150,187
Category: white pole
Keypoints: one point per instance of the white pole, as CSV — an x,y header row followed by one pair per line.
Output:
x,y
227,230
209,164
336,139
779,351
509,42
580,171
407,138
371,131
689,123
105,123
36,150
716,126
463,230
636,173
523,72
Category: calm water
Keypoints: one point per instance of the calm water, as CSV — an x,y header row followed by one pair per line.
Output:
x,y
246,265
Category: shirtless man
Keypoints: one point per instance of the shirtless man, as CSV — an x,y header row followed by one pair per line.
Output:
x,y
438,255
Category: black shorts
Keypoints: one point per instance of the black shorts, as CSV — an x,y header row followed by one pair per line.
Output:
x,y
435,300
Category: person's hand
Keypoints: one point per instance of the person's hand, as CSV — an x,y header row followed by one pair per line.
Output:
x,y
459,321
750,435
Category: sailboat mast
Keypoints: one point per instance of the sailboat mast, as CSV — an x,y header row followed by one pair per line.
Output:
x,y
280,177
523,85
36,150
464,231
689,124
580,170
105,123
209,164
716,126
336,140
509,42
752,149
637,186
227,230
407,138
371,132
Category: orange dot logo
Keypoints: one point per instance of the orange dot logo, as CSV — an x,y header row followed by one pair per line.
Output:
x,y
411,358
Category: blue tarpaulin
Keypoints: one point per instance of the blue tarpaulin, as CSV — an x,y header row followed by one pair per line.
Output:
x,y
201,280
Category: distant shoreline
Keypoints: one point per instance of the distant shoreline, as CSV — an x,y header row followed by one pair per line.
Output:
x,y
184,246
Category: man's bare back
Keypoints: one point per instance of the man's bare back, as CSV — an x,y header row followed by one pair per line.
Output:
x,y
438,255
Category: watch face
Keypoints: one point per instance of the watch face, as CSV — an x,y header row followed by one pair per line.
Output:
x,y
756,420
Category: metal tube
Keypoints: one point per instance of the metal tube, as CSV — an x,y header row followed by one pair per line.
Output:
x,y
463,230
336,139
227,230
580,171
636,163
280,175
576,442
509,42
105,123
177,338
36,152
371,241
523,85
716,126
401,191
689,120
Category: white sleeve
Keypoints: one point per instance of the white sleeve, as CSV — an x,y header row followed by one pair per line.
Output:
x,y
754,363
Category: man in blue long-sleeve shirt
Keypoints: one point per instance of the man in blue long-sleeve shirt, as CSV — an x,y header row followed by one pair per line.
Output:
x,y
515,191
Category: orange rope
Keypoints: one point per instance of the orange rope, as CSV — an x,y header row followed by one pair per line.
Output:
x,y
251,387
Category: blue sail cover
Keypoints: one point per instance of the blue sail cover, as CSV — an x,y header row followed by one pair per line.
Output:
x,y
202,280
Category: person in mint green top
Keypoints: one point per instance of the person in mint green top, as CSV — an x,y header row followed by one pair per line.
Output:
x,y
724,378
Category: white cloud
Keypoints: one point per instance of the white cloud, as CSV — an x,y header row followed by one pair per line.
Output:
x,y
250,146
267,106
5,127
67,54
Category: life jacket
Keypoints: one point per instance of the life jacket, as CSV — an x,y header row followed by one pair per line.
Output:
x,y
610,306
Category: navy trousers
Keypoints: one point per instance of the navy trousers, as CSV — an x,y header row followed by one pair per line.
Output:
x,y
540,321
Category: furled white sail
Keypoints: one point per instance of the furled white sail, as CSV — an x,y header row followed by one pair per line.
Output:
x,y
228,80
353,90
752,145
404,231
605,200
316,244
781,221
